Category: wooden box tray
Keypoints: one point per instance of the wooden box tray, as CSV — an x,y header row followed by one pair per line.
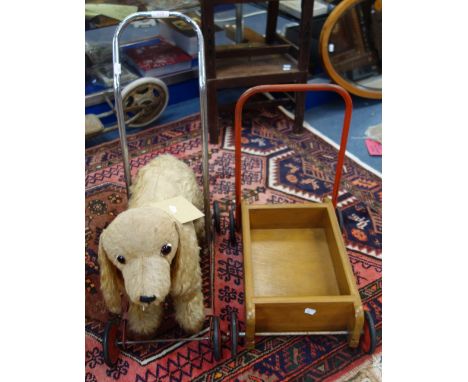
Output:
x,y
297,273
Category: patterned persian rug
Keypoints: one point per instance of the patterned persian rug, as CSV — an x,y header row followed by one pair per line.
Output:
x,y
277,167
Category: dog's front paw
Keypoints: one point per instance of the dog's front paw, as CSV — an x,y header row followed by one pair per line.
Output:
x,y
190,314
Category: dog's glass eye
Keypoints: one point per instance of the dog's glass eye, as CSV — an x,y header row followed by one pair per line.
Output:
x,y
166,249
121,259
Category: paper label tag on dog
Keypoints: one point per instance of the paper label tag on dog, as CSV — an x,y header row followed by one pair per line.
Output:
x,y
181,209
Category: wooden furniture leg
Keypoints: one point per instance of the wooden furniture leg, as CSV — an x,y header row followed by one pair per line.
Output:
x,y
356,326
305,33
212,106
303,60
207,19
299,112
272,17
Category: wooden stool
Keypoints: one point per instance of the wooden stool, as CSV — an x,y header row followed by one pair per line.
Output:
x,y
269,60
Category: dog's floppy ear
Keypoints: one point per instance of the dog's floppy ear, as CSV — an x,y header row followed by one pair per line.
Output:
x,y
186,274
109,280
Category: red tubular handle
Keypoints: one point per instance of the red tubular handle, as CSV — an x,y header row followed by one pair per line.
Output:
x,y
289,88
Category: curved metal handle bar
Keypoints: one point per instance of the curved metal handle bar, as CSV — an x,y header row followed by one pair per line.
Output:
x,y
290,88
203,102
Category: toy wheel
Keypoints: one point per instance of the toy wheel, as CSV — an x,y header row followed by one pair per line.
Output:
x,y
216,216
109,342
234,334
232,227
144,100
215,337
369,336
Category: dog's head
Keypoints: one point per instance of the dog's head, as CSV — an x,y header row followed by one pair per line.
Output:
x,y
146,252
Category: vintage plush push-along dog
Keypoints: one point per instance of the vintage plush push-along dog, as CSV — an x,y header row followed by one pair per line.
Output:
x,y
147,254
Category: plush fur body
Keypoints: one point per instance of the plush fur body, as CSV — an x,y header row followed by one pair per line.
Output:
x,y
139,234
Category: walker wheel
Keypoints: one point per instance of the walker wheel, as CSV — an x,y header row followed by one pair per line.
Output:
x,y
216,217
232,227
234,334
215,337
144,100
369,337
109,343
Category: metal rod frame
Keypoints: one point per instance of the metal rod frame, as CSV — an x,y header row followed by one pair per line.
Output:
x,y
183,339
241,334
203,105
323,333
289,88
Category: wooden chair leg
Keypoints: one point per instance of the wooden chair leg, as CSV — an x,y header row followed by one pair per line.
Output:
x,y
212,106
299,113
272,19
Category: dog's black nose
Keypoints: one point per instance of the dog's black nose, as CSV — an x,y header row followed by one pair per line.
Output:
x,y
147,299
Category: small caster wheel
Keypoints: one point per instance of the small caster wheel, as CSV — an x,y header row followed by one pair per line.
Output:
x,y
144,100
234,326
232,228
216,217
368,341
215,337
109,343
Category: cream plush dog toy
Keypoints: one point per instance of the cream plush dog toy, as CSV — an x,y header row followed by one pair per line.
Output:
x,y
148,255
